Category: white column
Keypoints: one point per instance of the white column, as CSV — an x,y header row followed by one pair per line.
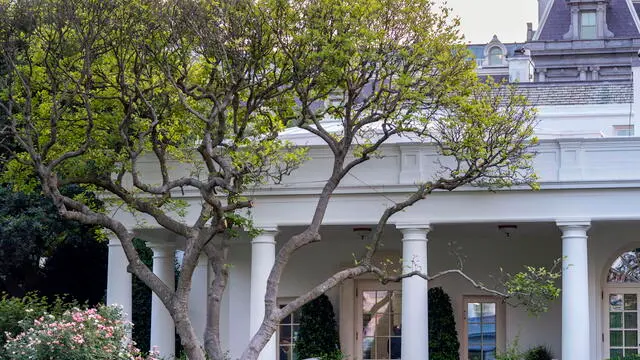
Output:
x,y
162,326
575,290
263,254
415,322
118,278
198,297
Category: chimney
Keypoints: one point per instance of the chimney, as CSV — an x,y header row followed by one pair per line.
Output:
x,y
530,32
542,6
521,66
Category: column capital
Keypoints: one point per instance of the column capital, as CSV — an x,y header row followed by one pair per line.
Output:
x,y
114,241
573,224
414,231
267,234
161,249
267,228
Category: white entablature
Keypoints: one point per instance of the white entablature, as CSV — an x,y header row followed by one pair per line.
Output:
x,y
572,172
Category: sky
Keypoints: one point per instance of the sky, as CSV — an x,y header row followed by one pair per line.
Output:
x,y
481,19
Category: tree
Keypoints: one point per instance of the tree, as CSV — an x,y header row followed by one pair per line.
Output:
x,y
95,87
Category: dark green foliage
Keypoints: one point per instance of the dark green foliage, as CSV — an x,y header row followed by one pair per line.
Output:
x,y
443,337
89,284
31,306
40,251
538,353
141,301
628,357
318,334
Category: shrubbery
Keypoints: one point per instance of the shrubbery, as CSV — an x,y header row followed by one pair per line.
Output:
x,y
92,334
443,337
15,310
318,336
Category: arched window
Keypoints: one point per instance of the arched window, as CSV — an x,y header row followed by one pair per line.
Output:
x,y
625,269
495,56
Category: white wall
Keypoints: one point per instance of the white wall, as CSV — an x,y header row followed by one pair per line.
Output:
x,y
585,120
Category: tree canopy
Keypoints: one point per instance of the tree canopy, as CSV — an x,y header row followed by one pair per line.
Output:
x,y
94,88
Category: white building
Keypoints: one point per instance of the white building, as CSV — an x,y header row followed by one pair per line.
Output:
x,y
584,79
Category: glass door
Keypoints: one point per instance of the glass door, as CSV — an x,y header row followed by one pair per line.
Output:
x,y
482,319
621,335
380,320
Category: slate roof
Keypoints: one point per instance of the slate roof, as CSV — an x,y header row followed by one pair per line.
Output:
x,y
619,20
557,23
578,93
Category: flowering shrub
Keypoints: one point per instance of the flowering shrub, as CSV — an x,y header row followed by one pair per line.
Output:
x,y
13,310
91,334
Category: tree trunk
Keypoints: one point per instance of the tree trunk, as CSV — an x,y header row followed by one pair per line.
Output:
x,y
188,337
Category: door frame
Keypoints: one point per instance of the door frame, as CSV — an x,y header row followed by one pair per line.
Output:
x,y
500,322
613,289
360,286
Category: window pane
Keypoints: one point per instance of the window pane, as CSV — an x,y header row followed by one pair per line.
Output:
x,y
615,302
616,353
630,351
285,333
395,345
490,355
588,25
631,320
285,353
474,312
615,338
495,56
630,302
368,348
368,301
396,322
369,326
588,18
489,309
382,348
615,320
631,338
295,317
296,329
588,32
382,301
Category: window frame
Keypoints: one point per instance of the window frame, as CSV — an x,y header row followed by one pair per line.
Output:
x,y
593,26
498,52
282,302
500,322
623,130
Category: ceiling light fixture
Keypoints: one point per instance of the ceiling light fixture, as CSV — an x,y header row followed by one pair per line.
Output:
x,y
508,229
362,231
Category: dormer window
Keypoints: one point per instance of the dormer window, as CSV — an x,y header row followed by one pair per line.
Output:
x,y
495,56
588,26
588,20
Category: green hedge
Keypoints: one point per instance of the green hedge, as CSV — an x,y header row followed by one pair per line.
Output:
x,y
443,337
